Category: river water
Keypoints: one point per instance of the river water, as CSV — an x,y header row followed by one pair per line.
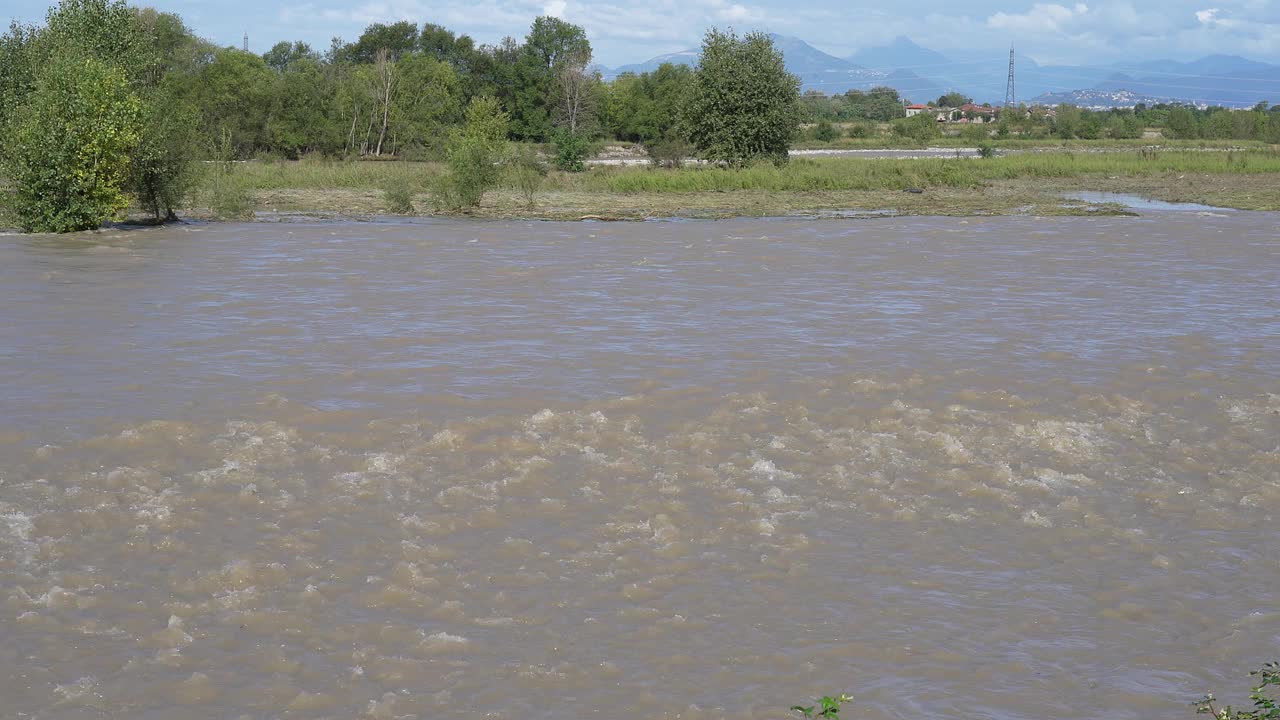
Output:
x,y
997,468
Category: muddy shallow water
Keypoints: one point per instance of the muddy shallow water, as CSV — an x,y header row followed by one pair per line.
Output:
x,y
1006,468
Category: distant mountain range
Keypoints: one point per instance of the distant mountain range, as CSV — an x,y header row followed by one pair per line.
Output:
x,y
921,74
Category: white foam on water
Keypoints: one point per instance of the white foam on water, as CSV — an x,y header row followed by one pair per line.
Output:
x,y
767,469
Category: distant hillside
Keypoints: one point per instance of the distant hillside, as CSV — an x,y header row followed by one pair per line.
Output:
x,y
817,70
685,57
921,74
900,54
1096,99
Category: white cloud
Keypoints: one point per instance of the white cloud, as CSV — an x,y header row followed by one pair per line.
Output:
x,y
1210,17
555,8
1043,17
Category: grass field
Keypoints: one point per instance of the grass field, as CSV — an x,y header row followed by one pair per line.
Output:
x,y
1012,184
890,141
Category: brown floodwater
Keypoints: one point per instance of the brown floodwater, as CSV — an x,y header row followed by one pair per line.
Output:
x,y
987,468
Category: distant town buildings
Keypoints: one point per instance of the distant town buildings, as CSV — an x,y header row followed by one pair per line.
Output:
x,y
968,113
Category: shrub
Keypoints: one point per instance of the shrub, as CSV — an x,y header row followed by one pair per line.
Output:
x,y
1265,707
986,150
921,128
473,153
824,131
827,707
66,152
398,199
860,130
669,152
230,199
527,171
571,150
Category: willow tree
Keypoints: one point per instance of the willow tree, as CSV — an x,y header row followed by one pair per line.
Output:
x,y
69,145
742,105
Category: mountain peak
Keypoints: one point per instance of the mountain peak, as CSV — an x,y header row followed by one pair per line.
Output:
x,y
901,52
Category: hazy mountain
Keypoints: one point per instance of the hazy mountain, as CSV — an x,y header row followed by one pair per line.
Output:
x,y
1096,99
901,53
685,57
1214,80
921,75
817,70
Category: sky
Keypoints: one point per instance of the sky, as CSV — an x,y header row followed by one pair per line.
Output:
x,y
1088,33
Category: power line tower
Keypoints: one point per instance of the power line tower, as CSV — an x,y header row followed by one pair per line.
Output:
x,y
1010,96
246,42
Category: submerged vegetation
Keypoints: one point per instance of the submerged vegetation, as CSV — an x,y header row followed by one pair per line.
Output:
x,y
1265,705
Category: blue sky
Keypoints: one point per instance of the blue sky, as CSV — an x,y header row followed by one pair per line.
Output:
x,y
625,32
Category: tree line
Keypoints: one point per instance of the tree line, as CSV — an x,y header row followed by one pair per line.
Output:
x,y
107,103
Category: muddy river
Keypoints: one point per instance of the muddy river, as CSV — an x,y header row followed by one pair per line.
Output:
x,y
1005,468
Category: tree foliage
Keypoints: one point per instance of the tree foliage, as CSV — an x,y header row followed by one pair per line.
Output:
x,y
742,105
474,152
68,149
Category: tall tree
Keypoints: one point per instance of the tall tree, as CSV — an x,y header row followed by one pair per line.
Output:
x,y
396,39
67,154
743,104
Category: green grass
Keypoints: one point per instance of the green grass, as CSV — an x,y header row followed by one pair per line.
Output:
x,y
333,175
889,141
1245,179
799,175
829,174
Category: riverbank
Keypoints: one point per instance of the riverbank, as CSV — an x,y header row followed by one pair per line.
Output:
x,y
1022,184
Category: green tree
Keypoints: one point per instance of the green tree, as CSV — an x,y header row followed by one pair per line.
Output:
x,y
742,105
67,153
1182,124
552,41
303,113
233,93
161,168
645,108
145,126
1067,121
474,151
429,100
284,53
954,100
921,128
18,65
397,39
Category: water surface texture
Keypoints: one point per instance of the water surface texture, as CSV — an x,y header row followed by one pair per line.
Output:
x,y
1004,468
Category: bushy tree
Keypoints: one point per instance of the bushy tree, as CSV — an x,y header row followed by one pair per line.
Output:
x,y
161,168
67,150
743,105
428,102
284,53
824,131
953,100
89,116
474,151
645,108
1182,124
921,128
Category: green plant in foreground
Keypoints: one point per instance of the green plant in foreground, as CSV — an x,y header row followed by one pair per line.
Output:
x,y
67,151
399,199
527,172
473,154
1265,707
571,150
826,707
